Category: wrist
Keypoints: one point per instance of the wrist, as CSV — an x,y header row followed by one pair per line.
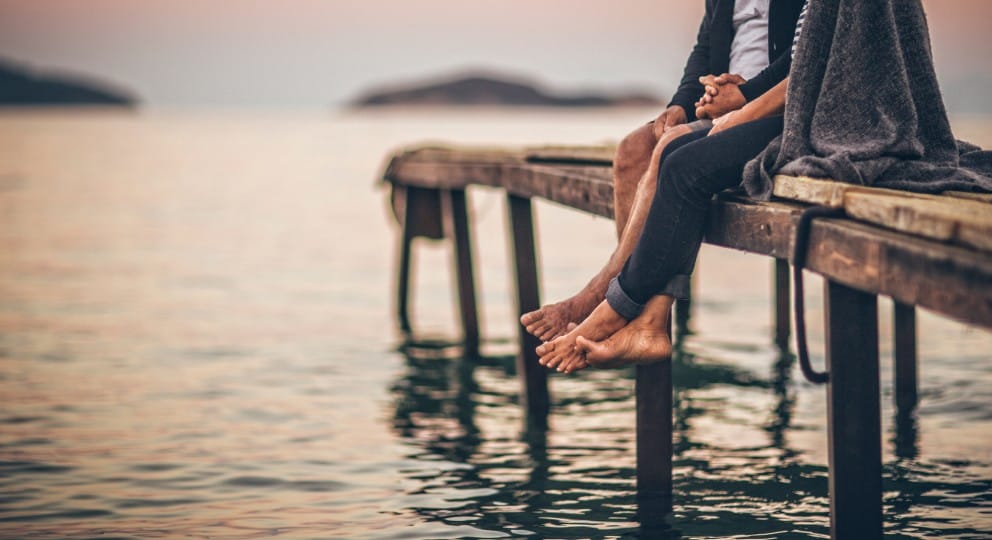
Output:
x,y
754,110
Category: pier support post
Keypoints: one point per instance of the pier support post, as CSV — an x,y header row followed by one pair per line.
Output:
x,y
418,211
654,433
905,357
854,423
403,279
782,305
457,228
533,376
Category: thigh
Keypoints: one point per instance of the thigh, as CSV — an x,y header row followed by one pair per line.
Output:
x,y
679,142
716,162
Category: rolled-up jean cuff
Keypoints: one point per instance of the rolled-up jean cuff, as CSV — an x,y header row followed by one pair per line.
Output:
x,y
621,302
678,287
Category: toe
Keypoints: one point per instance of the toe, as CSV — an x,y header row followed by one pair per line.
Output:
x,y
555,334
577,365
568,360
569,366
596,351
548,333
530,317
555,360
533,328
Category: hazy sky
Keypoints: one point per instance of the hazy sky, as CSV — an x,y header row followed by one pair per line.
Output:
x,y
318,52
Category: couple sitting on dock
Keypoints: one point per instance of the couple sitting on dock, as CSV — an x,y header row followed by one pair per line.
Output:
x,y
863,107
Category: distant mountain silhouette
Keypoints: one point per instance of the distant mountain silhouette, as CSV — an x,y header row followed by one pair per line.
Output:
x,y
21,86
492,90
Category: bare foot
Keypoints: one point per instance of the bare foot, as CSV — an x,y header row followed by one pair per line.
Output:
x,y
643,341
552,320
562,353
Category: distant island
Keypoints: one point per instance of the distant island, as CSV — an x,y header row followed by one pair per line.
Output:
x,y
491,90
20,86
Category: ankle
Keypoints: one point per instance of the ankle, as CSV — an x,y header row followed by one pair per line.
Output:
x,y
588,298
654,320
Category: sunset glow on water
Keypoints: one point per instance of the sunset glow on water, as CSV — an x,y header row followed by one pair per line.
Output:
x,y
197,339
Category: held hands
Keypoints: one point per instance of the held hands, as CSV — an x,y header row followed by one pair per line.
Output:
x,y
721,95
669,118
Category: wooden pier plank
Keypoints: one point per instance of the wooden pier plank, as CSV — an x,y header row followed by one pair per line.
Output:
x,y
590,155
966,221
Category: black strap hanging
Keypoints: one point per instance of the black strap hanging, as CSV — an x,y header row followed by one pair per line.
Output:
x,y
800,249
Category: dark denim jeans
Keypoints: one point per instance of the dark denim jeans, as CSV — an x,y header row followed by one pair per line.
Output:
x,y
693,169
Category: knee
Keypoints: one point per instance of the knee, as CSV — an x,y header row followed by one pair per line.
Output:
x,y
679,171
663,149
674,133
634,151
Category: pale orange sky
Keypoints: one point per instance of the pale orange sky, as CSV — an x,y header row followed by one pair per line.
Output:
x,y
316,52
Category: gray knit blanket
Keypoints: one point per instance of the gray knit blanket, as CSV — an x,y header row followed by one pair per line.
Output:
x,y
864,106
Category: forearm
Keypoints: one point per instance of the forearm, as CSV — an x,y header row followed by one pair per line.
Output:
x,y
765,81
770,103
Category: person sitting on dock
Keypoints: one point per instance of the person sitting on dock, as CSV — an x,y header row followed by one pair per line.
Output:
x,y
863,107
744,41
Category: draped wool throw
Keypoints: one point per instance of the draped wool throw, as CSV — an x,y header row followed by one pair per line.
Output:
x,y
864,106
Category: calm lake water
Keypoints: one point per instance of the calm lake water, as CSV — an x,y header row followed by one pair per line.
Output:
x,y
197,340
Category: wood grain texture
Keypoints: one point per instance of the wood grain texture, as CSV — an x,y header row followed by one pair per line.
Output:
x,y
964,219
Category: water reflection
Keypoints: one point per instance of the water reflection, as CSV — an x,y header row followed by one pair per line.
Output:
x,y
905,438
785,397
169,367
501,478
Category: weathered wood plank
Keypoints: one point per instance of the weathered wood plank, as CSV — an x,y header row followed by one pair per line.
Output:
x,y
950,219
810,190
982,197
583,188
590,155
951,280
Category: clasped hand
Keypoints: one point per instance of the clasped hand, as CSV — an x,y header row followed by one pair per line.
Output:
x,y
720,96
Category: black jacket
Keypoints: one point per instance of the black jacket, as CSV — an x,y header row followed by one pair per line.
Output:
x,y
711,55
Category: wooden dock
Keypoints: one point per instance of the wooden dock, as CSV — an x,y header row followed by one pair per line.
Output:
x,y
933,252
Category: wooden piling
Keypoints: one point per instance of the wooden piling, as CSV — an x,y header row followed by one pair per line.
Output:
x,y
782,303
403,277
418,211
533,376
854,423
456,228
654,432
905,361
